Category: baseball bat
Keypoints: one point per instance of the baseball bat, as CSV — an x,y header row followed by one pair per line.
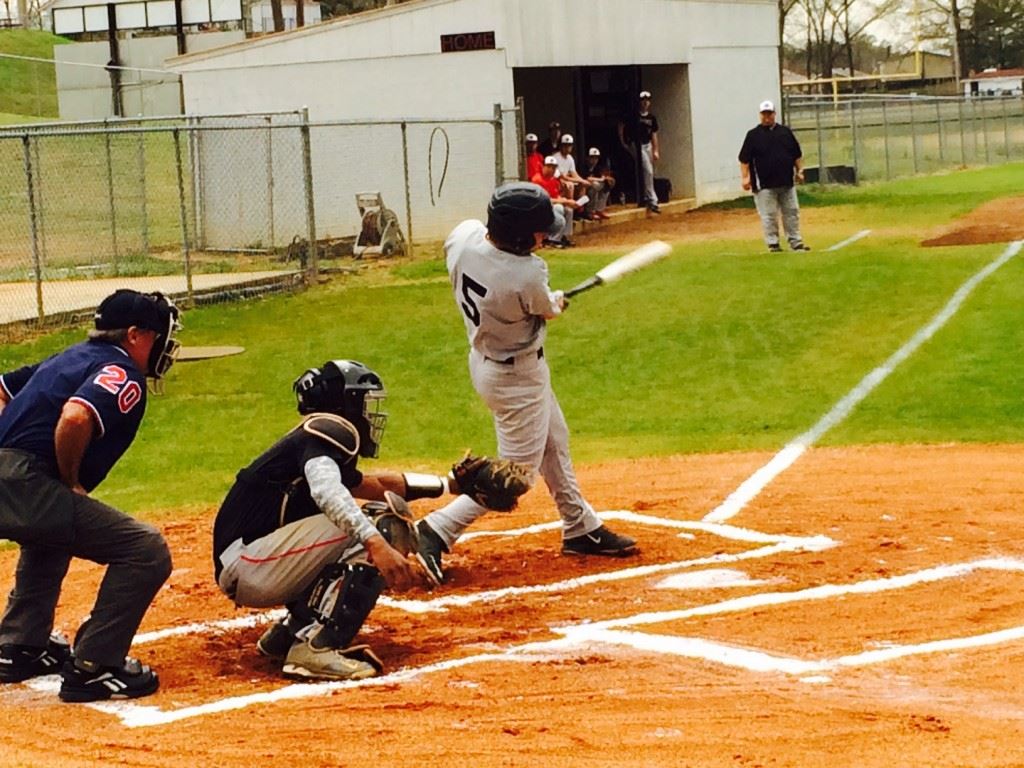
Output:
x,y
631,262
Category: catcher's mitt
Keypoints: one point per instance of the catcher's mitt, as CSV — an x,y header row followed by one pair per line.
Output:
x,y
395,522
493,483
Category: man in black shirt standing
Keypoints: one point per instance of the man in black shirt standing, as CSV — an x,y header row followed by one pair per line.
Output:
x,y
770,162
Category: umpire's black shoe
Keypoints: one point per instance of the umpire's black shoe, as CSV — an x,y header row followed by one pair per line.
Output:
x,y
429,554
131,680
600,542
21,662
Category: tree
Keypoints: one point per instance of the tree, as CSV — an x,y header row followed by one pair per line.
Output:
x,y
996,37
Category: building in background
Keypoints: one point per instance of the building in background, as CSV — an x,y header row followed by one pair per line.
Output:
x,y
995,82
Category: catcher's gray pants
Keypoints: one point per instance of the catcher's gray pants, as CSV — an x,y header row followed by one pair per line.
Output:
x,y
277,568
647,162
54,524
531,429
770,203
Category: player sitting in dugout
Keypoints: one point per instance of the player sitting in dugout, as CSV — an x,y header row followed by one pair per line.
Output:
x,y
291,533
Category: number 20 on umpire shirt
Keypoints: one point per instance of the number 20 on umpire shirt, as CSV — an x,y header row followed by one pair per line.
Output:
x,y
96,374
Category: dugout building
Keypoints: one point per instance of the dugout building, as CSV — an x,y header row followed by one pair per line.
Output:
x,y
579,62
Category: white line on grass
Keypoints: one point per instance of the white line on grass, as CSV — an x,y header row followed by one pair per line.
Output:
x,y
793,450
849,240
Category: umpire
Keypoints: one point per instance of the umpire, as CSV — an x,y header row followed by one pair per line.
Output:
x,y
64,424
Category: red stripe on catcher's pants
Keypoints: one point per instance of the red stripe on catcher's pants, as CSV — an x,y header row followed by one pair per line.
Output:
x,y
290,552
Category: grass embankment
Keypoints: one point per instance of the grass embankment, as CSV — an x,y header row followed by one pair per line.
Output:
x,y
702,352
28,89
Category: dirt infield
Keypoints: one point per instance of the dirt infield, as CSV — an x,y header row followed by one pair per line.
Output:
x,y
864,610
998,221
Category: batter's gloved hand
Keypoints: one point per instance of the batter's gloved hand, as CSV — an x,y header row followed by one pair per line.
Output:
x,y
394,520
493,483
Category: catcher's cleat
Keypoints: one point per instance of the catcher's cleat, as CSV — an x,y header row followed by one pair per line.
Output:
x,y
304,662
600,541
21,662
85,681
429,554
276,641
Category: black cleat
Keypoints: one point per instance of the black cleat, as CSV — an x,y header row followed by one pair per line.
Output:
x,y
801,247
276,641
131,680
774,248
21,662
601,541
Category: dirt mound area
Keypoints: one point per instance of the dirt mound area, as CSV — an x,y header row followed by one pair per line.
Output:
x,y
997,221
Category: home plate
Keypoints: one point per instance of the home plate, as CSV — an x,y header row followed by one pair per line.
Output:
x,y
713,578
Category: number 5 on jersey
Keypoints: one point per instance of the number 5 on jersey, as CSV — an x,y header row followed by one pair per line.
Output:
x,y
471,286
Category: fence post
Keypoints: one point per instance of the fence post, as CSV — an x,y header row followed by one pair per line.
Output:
x,y
270,179
110,192
37,266
913,135
885,138
822,173
963,139
183,215
520,134
938,127
1006,127
307,178
499,148
198,180
853,136
40,203
408,190
984,132
142,183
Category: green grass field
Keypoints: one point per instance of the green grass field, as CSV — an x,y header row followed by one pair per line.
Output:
x,y
27,88
719,348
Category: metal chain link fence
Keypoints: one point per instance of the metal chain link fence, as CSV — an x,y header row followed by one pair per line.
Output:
x,y
215,207
855,138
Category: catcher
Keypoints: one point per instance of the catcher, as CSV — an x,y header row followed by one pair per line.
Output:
x,y
290,532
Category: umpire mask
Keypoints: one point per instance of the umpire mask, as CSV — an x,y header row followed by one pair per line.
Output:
x,y
150,311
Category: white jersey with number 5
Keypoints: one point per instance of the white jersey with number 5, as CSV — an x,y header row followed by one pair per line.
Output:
x,y
504,298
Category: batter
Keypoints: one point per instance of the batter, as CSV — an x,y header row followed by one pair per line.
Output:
x,y
501,290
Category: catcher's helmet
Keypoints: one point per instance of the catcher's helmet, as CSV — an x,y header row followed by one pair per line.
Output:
x,y
152,311
516,212
351,390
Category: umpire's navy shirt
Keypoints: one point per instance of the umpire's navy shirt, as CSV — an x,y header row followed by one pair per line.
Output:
x,y
771,153
99,375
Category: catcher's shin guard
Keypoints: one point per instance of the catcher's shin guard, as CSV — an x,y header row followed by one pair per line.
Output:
x,y
343,596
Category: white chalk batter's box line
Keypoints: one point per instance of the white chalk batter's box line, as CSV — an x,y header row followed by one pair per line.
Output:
x,y
615,633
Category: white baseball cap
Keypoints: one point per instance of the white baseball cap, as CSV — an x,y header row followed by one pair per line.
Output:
x,y
566,138
550,160
531,137
595,152
645,94
766,106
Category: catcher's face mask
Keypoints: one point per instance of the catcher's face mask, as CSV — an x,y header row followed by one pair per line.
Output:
x,y
376,418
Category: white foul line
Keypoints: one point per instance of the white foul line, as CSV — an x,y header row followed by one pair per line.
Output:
x,y
793,450
849,240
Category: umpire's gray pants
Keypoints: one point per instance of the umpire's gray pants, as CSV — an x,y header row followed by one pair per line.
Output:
x,y
531,429
277,568
53,524
772,202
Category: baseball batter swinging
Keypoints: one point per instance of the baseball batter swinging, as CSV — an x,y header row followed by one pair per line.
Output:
x,y
502,292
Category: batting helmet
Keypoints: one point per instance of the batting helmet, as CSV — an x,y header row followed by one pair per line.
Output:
x,y
516,212
351,390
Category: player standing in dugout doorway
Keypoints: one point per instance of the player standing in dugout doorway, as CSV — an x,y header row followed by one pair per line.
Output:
x,y
770,161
